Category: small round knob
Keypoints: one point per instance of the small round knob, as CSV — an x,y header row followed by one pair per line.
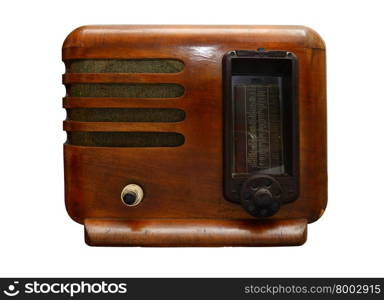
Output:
x,y
132,195
260,196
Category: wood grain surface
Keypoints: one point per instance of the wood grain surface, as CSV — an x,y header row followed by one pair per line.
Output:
x,y
183,185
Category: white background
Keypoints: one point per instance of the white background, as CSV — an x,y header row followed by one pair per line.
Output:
x,y
37,238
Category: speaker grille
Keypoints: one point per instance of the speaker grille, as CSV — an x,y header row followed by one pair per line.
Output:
x,y
136,90
125,114
125,139
124,66
87,83
164,90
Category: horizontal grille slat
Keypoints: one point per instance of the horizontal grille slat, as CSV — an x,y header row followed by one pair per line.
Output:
x,y
124,78
124,66
125,139
106,102
135,90
125,114
123,126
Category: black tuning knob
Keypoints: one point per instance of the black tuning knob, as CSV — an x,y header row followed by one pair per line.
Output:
x,y
260,196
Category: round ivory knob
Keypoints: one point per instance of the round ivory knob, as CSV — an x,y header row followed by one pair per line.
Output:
x,y
132,194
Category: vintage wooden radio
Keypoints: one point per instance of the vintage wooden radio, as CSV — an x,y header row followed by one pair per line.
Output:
x,y
195,135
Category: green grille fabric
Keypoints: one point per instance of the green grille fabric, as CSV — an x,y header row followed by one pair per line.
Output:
x,y
134,90
125,114
125,139
125,66
125,90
